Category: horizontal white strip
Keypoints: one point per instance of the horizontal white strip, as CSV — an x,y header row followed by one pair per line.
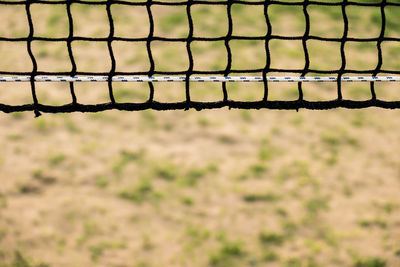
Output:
x,y
197,79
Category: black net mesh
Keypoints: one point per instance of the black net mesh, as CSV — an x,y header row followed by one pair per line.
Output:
x,y
191,37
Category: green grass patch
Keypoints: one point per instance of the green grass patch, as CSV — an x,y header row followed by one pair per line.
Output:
x,y
97,251
258,169
126,157
144,191
40,176
187,201
43,125
165,170
193,175
28,189
293,262
293,170
289,227
397,252
57,159
269,256
367,223
197,235
266,197
316,204
267,151
102,181
369,262
21,261
227,254
336,137
271,238
90,229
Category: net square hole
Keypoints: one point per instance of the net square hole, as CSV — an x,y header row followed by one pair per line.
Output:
x,y
392,21
287,20
88,94
315,91
390,56
170,92
209,56
170,21
387,91
131,56
209,20
361,55
282,91
248,20
130,21
90,21
50,20
12,26
131,92
206,92
15,93
286,54
245,91
324,56
356,91
332,25
170,57
248,54
51,56
91,56
14,57
54,93
364,22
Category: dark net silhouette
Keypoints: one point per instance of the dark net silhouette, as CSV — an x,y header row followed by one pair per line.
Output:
x,y
225,101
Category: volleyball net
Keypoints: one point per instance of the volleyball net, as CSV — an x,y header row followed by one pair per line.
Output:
x,y
266,74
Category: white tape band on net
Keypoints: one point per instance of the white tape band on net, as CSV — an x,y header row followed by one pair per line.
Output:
x,y
197,79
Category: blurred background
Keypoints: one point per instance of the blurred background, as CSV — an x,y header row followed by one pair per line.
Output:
x,y
211,188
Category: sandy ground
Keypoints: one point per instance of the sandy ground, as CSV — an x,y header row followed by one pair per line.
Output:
x,y
186,188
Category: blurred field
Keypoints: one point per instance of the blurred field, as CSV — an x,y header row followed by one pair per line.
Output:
x,y
210,188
